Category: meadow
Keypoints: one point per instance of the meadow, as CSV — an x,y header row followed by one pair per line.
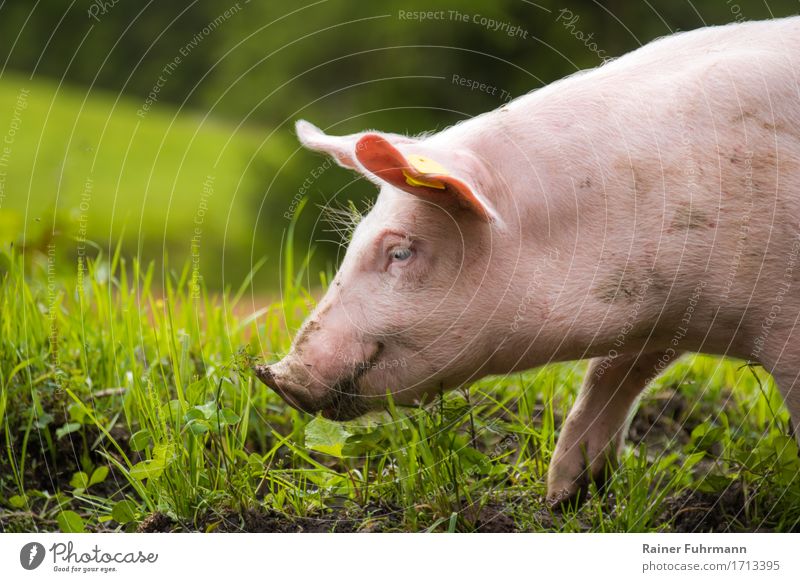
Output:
x,y
90,168
131,406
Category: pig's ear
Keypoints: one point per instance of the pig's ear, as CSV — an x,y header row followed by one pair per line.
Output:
x,y
428,176
341,148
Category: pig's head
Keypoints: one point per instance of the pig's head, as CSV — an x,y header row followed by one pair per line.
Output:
x,y
410,310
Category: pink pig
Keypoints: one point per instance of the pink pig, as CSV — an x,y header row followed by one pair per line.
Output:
x,y
628,213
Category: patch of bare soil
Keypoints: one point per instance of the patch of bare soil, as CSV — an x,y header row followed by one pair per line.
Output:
x,y
695,512
661,423
373,518
157,523
494,518
490,518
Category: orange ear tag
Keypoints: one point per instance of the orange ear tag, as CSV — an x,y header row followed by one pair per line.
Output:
x,y
424,166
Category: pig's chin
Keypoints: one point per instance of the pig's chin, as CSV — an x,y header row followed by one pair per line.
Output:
x,y
344,402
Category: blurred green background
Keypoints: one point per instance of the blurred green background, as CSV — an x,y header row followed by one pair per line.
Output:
x,y
167,127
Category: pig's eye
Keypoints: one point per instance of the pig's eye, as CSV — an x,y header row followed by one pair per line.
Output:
x,y
401,254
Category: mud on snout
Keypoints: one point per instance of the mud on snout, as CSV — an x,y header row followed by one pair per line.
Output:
x,y
341,400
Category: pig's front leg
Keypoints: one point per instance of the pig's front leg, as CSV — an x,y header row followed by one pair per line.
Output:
x,y
594,428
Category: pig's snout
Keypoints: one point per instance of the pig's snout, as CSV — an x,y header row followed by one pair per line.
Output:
x,y
296,395
339,402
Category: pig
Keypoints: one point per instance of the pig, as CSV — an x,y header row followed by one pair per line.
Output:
x,y
626,214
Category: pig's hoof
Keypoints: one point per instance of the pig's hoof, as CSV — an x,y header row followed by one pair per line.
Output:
x,y
567,498
576,492
561,499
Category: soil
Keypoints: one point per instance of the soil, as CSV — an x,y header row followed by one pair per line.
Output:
x,y
370,519
494,518
661,422
43,475
695,512
156,523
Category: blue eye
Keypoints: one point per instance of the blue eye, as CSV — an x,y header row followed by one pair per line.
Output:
x,y
401,254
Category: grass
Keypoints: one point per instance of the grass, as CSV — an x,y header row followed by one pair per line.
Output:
x,y
125,407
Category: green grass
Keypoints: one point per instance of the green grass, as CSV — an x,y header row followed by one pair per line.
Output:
x,y
128,407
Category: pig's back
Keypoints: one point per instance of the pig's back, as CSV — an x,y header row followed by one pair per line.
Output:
x,y
676,51
755,59
678,57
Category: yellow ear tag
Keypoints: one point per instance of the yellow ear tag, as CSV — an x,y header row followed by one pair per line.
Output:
x,y
424,166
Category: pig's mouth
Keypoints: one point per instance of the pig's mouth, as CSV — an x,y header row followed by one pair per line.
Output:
x,y
343,401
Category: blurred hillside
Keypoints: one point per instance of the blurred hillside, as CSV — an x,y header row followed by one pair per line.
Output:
x,y
168,126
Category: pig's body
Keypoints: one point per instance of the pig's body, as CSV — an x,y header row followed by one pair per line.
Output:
x,y
678,163
629,213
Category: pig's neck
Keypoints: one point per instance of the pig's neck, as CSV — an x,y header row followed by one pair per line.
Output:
x,y
562,220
